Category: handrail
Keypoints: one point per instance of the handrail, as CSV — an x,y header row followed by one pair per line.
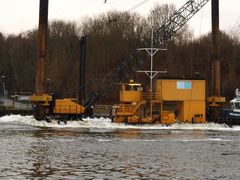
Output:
x,y
131,108
126,108
149,96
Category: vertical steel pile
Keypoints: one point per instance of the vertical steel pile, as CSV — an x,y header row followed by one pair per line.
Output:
x,y
216,100
42,42
215,48
83,43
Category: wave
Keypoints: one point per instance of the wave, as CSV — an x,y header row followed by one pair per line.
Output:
x,y
105,123
174,140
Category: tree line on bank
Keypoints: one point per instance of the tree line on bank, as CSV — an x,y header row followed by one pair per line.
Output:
x,y
110,38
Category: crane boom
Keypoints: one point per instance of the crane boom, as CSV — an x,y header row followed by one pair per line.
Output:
x,y
178,20
135,60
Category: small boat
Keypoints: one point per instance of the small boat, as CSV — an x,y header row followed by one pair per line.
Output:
x,y
232,115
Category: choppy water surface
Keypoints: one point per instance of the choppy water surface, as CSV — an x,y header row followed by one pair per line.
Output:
x,y
98,149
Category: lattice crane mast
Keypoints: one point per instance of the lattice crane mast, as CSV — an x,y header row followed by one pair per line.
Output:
x,y
235,32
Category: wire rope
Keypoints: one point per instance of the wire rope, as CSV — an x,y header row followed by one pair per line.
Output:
x,y
138,5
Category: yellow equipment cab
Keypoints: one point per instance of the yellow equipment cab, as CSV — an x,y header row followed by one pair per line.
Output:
x,y
135,106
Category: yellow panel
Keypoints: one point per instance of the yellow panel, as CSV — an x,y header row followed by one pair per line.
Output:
x,y
167,90
215,101
43,99
167,118
192,109
189,96
67,106
40,98
130,96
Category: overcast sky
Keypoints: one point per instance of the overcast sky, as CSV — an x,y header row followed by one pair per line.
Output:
x,y
21,15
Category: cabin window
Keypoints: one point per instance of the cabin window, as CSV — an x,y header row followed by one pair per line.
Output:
x,y
184,85
133,88
237,105
128,88
139,88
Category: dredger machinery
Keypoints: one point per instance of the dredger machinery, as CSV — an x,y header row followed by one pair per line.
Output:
x,y
181,100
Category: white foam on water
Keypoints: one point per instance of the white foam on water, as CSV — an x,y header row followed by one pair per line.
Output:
x,y
11,118
142,140
173,140
105,140
105,123
220,139
207,139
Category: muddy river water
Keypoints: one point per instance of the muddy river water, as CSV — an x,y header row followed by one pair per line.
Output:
x,y
98,149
